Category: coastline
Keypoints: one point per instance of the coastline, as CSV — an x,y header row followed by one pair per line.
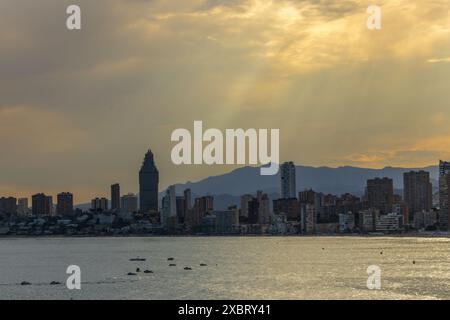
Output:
x,y
404,235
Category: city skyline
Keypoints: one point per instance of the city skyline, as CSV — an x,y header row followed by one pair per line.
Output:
x,y
367,98
380,209
107,191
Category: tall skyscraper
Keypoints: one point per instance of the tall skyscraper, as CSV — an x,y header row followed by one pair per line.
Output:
x,y
253,211
263,208
115,196
169,205
42,204
287,174
187,200
64,206
380,193
444,184
148,184
417,192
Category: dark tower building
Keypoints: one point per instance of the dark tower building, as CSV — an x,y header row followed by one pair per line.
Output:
x,y
148,184
417,192
444,192
42,205
64,206
115,197
380,193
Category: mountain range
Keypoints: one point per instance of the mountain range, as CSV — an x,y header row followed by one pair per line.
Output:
x,y
227,188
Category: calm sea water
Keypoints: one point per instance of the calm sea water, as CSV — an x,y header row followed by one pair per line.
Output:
x,y
237,268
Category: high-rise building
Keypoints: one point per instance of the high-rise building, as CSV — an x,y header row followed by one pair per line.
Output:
x,y
169,205
245,199
288,185
417,192
148,184
8,206
310,218
187,200
444,190
180,207
380,193
263,209
22,207
99,204
202,207
253,211
129,203
115,196
42,204
64,206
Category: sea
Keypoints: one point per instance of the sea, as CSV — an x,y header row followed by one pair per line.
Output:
x,y
238,268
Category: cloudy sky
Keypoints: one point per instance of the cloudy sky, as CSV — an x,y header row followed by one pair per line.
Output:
x,y
78,109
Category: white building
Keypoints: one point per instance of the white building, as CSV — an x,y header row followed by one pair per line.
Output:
x,y
169,205
367,219
310,218
390,222
346,222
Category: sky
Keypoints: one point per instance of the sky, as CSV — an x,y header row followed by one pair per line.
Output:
x,y
79,109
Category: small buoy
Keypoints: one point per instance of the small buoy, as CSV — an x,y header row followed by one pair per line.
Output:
x,y
138,270
25,283
414,262
381,252
323,248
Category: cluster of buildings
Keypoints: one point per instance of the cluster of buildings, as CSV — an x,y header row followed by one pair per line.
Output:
x,y
379,210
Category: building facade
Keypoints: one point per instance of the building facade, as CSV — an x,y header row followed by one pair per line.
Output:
x,y
288,183
8,206
129,203
42,205
417,192
115,197
64,205
148,184
99,204
380,193
444,182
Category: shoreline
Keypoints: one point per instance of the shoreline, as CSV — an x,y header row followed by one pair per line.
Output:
x,y
406,235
